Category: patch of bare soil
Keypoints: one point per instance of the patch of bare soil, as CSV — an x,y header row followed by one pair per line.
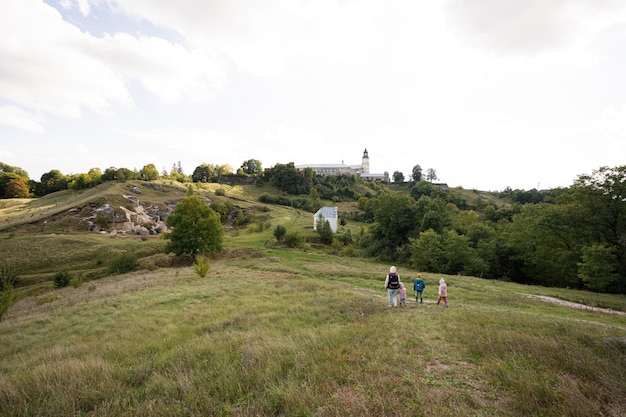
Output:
x,y
575,305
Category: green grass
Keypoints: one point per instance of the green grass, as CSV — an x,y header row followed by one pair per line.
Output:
x,y
294,333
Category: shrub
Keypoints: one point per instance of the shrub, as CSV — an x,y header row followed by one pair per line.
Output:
x,y
62,279
76,282
124,263
8,276
294,240
279,233
201,266
102,221
7,299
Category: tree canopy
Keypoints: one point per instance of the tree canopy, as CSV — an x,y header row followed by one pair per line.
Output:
x,y
196,228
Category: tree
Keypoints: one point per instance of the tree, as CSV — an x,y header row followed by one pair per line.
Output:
x,y
322,226
427,252
16,188
149,173
398,176
252,167
279,233
203,173
51,182
431,175
598,268
196,228
286,177
416,174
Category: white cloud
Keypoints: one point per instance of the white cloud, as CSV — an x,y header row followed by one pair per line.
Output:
x,y
14,117
530,26
46,70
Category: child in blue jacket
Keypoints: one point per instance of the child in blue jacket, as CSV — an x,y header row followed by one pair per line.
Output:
x,y
418,286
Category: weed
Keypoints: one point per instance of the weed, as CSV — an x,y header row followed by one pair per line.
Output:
x,y
76,282
201,266
46,299
7,299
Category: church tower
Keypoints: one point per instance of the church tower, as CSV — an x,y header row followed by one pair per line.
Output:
x,y
365,162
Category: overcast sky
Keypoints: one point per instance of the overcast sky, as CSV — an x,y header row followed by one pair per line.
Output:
x,y
490,93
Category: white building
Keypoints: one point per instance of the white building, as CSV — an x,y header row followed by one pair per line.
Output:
x,y
329,214
362,170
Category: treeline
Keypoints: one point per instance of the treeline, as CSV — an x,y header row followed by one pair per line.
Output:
x,y
577,240
568,237
15,182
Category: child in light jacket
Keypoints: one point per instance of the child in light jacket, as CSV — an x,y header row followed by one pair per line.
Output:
x,y
402,294
443,292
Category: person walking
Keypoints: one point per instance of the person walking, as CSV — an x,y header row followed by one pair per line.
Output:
x,y
443,292
418,286
402,294
392,284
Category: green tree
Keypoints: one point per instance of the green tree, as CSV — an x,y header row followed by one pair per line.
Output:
x,y
427,252
149,173
416,173
53,181
252,167
394,221
398,176
196,228
286,177
203,173
598,269
322,226
431,175
279,233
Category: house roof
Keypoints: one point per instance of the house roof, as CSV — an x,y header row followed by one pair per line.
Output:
x,y
327,212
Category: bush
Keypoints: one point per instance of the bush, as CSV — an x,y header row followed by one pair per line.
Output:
x,y
7,299
8,276
124,263
76,282
294,240
62,279
279,233
202,266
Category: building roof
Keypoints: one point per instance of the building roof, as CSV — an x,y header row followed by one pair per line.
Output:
x,y
327,212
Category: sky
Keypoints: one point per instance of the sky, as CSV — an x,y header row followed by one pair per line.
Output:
x,y
527,94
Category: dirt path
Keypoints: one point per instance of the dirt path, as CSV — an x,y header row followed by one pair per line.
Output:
x,y
575,305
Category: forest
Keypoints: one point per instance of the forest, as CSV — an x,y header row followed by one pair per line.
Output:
x,y
571,237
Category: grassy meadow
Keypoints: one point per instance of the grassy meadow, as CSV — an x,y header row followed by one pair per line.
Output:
x,y
272,331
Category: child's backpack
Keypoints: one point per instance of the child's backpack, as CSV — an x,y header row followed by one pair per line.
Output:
x,y
394,281
419,286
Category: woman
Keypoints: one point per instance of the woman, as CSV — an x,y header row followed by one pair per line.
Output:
x,y
392,284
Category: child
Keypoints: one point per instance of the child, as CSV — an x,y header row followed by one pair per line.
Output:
x,y
443,292
418,286
402,294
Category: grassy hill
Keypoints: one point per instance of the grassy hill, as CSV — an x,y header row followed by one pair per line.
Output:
x,y
288,333
272,331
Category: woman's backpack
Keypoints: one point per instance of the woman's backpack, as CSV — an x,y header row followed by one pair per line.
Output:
x,y
394,281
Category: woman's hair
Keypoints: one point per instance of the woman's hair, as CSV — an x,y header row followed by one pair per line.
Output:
x,y
441,281
392,270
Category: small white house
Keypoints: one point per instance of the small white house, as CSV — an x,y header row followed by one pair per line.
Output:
x,y
328,214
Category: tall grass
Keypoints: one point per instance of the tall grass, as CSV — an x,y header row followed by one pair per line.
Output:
x,y
298,334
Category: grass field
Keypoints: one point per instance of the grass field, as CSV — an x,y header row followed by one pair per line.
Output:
x,y
294,333
272,331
